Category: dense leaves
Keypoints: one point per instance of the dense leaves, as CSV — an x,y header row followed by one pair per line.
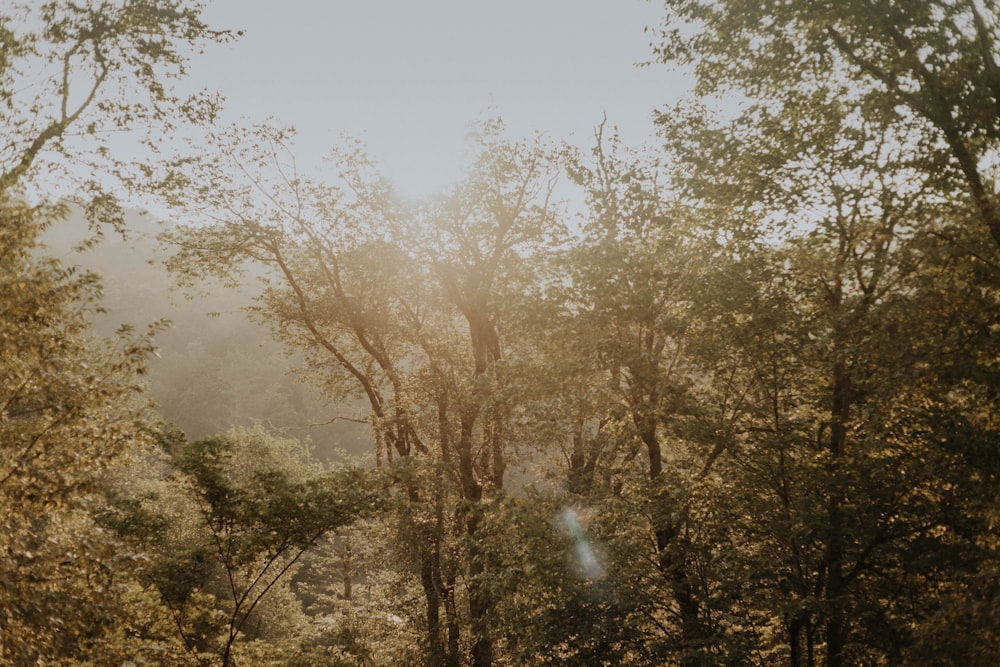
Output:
x,y
69,405
226,529
741,411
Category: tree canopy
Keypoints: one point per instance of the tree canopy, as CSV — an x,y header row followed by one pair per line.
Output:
x,y
741,409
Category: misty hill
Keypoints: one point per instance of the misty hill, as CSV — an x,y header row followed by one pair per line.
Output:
x,y
216,368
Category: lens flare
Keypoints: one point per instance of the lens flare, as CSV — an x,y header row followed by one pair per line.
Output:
x,y
583,550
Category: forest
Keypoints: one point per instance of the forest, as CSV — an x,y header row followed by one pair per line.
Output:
x,y
728,400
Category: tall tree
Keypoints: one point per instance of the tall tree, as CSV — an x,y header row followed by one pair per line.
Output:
x,y
845,194
95,67
628,310
404,308
67,401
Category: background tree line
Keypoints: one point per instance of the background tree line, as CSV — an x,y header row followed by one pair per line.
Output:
x,y
740,410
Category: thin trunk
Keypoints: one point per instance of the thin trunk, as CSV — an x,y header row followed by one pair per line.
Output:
x,y
673,565
810,643
426,549
480,600
453,658
577,480
647,431
800,640
497,438
472,489
435,649
445,585
794,642
672,558
834,557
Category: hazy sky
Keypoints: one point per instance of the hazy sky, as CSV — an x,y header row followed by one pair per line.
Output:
x,y
411,77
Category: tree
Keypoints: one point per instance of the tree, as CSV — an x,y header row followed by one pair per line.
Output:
x,y
68,402
230,527
405,308
846,203
927,68
96,66
635,277
68,406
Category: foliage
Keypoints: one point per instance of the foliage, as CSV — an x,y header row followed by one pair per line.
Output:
x,y
227,529
68,401
923,69
95,67
844,181
742,413
69,408
404,307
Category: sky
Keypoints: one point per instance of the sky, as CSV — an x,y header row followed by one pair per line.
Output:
x,y
411,78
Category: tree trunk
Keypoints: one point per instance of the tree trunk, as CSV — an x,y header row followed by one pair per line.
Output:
x,y
800,629
435,649
647,431
672,564
480,600
427,551
795,642
453,658
672,559
347,569
834,557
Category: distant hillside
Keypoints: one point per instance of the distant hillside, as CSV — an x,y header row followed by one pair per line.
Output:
x,y
216,368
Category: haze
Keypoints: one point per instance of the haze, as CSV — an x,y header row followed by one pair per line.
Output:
x,y
411,79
